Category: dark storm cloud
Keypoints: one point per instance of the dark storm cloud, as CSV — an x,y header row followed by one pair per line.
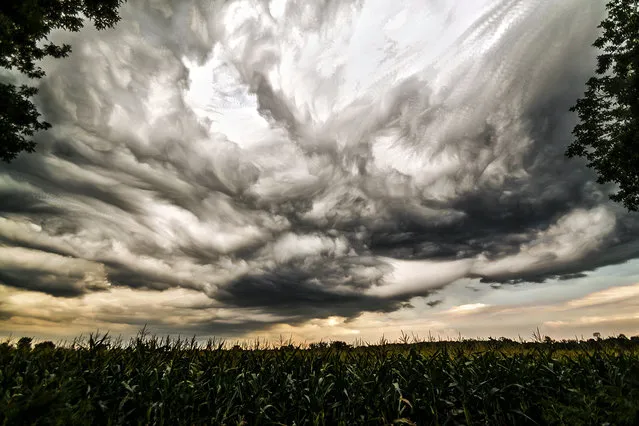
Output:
x,y
214,328
14,201
66,179
122,275
272,160
311,289
56,284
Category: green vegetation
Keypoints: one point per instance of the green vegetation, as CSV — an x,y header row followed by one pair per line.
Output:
x,y
154,381
608,132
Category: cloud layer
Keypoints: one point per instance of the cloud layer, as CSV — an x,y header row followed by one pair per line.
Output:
x,y
293,160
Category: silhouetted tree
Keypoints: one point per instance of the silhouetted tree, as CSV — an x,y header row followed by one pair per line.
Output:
x,y
608,132
24,29
24,343
338,344
42,346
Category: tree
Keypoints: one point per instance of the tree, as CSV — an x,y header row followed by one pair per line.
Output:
x,y
338,344
24,29
24,344
608,132
44,346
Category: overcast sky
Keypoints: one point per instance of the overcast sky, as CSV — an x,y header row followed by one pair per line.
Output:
x,y
328,169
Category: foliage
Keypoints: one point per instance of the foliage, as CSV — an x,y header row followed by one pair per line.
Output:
x,y
608,132
43,346
24,29
24,343
156,382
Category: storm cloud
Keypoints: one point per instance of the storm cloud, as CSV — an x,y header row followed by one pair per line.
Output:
x,y
300,160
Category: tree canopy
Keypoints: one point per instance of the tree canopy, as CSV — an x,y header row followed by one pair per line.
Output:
x,y
24,29
608,132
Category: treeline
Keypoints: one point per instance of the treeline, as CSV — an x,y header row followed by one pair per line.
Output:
x,y
105,342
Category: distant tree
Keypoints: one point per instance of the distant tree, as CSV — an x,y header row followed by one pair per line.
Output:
x,y
24,343
608,132
24,29
596,335
338,344
47,345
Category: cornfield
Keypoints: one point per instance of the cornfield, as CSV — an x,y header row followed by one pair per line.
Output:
x,y
152,381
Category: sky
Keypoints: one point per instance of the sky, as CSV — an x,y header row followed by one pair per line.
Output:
x,y
325,170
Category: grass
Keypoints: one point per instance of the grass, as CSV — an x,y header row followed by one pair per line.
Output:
x,y
153,381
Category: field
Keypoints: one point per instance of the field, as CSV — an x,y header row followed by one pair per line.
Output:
x,y
151,381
